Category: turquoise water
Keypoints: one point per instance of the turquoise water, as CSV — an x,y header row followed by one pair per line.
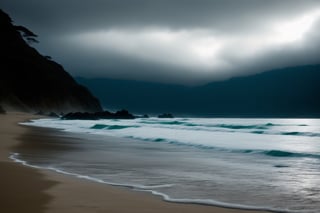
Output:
x,y
269,164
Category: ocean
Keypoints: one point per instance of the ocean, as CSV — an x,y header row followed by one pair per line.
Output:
x,y
262,164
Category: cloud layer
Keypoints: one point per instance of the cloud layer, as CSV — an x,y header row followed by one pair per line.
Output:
x,y
185,42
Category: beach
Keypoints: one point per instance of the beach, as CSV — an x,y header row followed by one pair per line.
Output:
x,y
26,189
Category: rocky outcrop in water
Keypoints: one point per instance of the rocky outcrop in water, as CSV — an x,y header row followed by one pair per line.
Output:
x,y
166,115
122,114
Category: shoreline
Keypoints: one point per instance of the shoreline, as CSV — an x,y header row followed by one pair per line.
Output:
x,y
53,192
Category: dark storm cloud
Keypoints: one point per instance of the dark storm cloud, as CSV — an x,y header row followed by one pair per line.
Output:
x,y
189,41
220,14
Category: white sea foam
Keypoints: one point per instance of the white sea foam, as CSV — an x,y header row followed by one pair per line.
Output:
x,y
295,135
201,161
15,158
150,189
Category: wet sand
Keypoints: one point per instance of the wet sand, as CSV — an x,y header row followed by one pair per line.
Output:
x,y
26,189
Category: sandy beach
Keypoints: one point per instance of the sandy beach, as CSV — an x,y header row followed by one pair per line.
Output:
x,y
25,189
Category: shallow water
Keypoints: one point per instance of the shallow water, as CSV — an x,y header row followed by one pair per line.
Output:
x,y
250,163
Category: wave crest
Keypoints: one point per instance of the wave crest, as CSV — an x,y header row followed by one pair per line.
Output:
x,y
111,127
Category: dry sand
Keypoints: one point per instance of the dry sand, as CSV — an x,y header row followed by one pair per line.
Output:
x,y
25,189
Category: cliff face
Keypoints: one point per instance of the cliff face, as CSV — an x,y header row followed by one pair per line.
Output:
x,y
32,82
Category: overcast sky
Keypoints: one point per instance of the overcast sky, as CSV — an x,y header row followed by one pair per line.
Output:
x,y
175,41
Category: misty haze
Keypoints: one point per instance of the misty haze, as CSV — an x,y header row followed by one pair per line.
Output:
x,y
160,106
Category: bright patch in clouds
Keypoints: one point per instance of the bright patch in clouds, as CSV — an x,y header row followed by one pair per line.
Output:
x,y
294,30
176,41
186,48
205,52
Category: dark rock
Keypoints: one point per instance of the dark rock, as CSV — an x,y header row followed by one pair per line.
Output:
x,y
122,114
165,115
80,116
32,82
103,115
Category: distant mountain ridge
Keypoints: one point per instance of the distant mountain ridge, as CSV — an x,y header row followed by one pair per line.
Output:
x,y
288,92
32,82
